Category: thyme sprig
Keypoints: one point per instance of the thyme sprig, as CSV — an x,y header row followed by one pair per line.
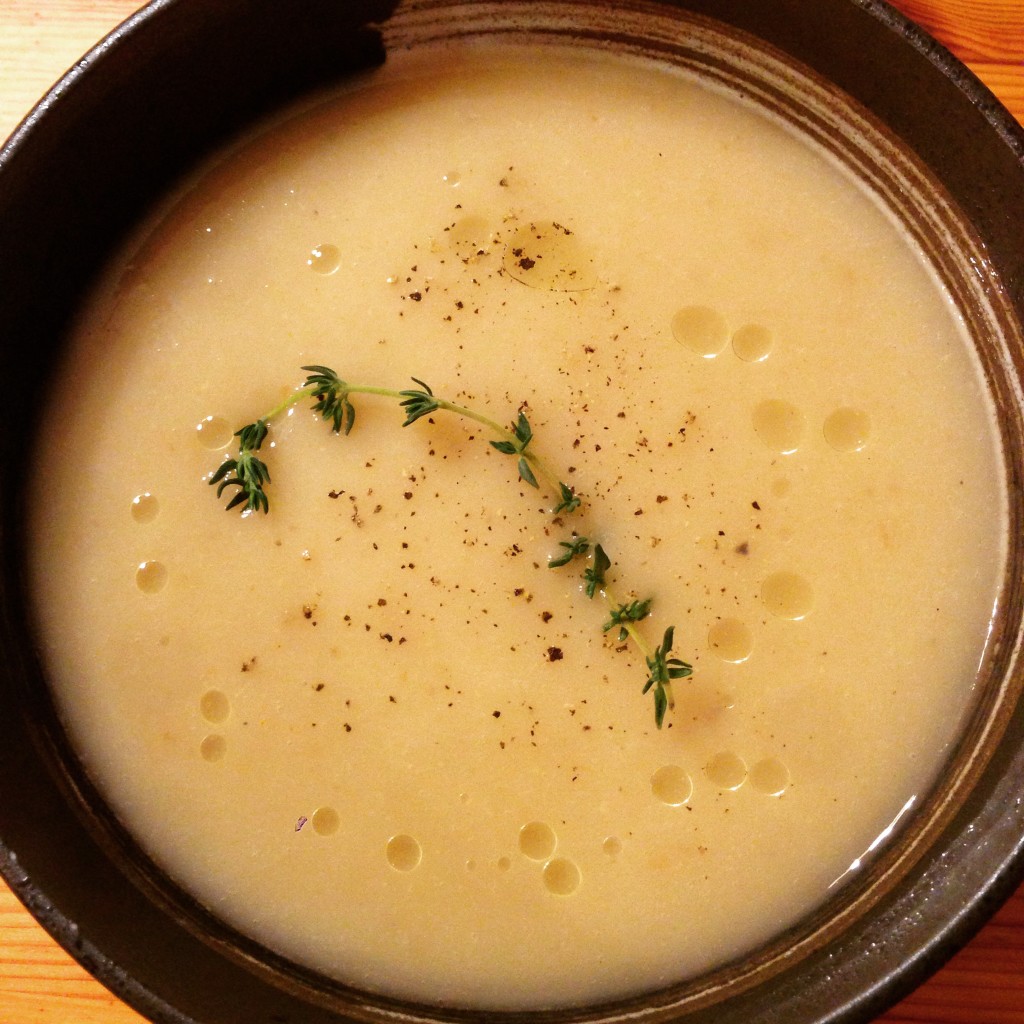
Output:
x,y
523,436
250,472
662,670
332,401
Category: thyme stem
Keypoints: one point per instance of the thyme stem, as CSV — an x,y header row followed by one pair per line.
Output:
x,y
332,401
538,464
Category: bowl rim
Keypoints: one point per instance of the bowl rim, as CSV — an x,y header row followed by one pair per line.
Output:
x,y
1001,878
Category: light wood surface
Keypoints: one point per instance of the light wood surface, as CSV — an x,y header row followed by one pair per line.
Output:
x,y
39,982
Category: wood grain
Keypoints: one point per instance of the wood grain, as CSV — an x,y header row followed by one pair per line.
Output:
x,y
976,30
39,982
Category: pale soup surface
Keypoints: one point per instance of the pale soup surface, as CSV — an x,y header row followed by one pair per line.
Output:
x,y
372,728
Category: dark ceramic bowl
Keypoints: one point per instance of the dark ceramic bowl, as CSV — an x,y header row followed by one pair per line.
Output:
x,y
184,75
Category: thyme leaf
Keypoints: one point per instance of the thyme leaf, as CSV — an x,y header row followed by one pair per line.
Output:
x,y
593,575
418,403
573,549
250,473
632,612
522,435
331,396
569,502
526,473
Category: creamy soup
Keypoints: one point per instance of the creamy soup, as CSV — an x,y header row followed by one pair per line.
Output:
x,y
372,728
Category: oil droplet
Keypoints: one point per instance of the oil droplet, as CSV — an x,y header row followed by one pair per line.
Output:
x,y
537,840
787,595
779,425
549,256
453,179
782,487
324,259
701,329
561,876
469,237
213,748
145,508
726,770
214,433
612,846
731,640
752,343
325,821
151,577
214,706
671,785
404,853
770,776
847,430
504,863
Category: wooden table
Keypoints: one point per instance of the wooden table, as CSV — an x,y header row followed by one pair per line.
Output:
x,y
39,982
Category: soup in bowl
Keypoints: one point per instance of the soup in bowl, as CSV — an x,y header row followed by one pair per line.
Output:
x,y
617,607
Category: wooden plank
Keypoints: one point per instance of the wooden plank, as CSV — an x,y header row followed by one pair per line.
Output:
x,y
41,984
1006,81
39,41
989,31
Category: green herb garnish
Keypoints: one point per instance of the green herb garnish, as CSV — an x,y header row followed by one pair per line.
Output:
x,y
663,669
332,401
573,549
250,473
626,613
593,575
